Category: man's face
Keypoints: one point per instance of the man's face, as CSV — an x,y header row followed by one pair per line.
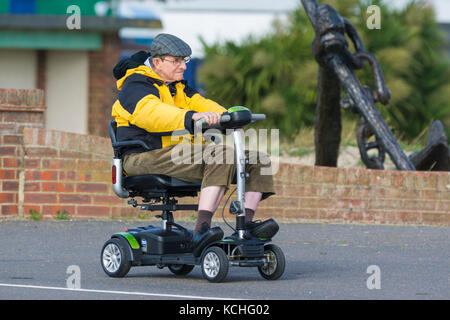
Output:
x,y
169,68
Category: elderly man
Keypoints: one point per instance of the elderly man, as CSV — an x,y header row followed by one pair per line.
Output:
x,y
153,102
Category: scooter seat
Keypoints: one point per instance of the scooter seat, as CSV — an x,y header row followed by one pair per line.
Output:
x,y
152,183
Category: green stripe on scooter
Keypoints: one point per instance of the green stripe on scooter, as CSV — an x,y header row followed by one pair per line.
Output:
x,y
131,239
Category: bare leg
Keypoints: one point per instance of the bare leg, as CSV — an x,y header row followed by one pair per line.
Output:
x,y
209,201
252,199
210,198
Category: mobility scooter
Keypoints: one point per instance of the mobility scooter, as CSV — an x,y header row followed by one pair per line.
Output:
x,y
174,246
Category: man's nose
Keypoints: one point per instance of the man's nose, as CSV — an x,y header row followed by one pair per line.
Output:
x,y
183,65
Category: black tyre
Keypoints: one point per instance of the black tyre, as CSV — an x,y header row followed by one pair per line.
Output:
x,y
114,258
214,264
180,269
276,263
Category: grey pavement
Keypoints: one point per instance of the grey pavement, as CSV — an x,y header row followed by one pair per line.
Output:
x,y
323,262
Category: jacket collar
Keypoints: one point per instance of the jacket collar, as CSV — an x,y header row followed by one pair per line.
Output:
x,y
148,72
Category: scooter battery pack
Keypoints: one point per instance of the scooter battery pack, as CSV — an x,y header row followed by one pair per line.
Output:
x,y
159,241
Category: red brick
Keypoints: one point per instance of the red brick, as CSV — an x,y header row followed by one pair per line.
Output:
x,y
40,197
307,214
379,178
93,211
352,176
32,186
403,217
28,208
12,139
75,176
426,180
23,117
282,202
440,219
57,187
373,216
97,164
443,205
409,179
341,176
299,191
10,185
397,179
352,215
8,151
74,198
8,127
91,187
7,174
306,174
110,200
65,164
331,215
75,154
349,203
443,181
430,194
41,175
53,210
315,203
7,197
32,163
7,210
419,205
12,163
386,204
41,152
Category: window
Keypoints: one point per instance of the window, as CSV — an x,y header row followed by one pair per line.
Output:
x,y
22,6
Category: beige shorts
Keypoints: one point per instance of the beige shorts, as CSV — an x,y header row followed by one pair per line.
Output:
x,y
213,165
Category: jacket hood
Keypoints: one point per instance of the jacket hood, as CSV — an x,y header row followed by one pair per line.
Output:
x,y
129,63
134,64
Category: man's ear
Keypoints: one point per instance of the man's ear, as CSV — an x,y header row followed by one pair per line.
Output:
x,y
157,61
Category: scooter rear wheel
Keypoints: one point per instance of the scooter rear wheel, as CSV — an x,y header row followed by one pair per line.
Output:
x,y
180,269
276,263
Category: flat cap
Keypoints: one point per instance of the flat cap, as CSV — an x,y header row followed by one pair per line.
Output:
x,y
167,44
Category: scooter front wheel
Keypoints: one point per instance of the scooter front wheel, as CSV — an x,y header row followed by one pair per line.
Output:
x,y
215,264
114,258
276,262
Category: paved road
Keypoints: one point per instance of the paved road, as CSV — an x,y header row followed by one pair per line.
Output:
x,y
323,262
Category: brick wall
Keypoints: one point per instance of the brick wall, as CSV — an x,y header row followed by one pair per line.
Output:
x,y
51,171
18,109
102,85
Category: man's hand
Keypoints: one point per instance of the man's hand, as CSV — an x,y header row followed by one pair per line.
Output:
x,y
211,117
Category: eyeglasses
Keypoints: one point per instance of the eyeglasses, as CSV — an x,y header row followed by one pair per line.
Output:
x,y
177,62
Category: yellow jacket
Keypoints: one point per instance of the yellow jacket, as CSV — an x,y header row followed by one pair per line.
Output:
x,y
150,110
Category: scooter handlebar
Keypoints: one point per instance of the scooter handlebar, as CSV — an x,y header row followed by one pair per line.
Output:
x,y
202,124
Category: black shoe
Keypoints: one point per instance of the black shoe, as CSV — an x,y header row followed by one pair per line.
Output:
x,y
263,229
205,236
201,233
